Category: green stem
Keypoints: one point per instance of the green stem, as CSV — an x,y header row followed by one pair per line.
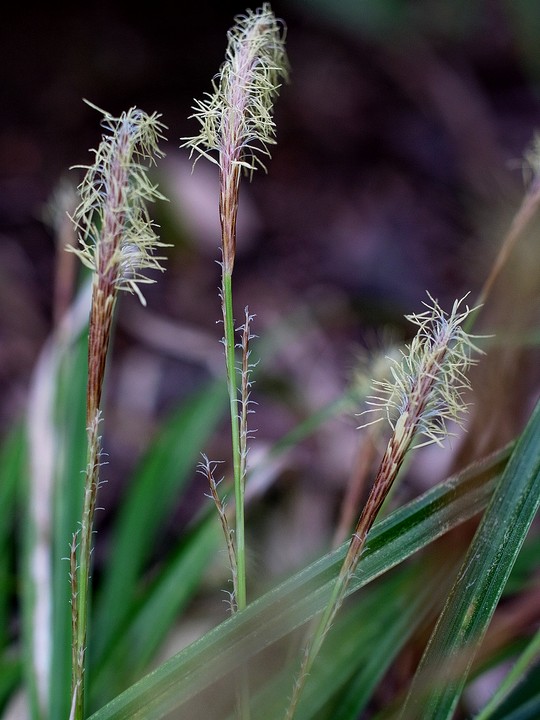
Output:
x,y
83,573
232,385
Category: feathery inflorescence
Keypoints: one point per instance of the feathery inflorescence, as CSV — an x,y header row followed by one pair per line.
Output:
x,y
117,238
236,117
428,382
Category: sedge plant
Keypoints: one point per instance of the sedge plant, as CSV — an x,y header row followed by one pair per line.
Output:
x,y
118,243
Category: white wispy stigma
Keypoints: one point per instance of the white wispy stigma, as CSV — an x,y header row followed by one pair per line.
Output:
x,y
117,238
236,118
428,383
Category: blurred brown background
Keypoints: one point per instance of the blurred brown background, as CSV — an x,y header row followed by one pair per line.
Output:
x,y
397,170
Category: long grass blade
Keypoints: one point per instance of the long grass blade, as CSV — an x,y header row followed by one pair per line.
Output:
x,y
12,472
443,670
53,502
360,647
524,701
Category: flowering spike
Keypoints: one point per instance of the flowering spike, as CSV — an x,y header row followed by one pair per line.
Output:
x,y
117,240
236,118
428,381
236,126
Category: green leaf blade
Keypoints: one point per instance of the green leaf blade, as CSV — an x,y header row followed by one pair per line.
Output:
x,y
443,670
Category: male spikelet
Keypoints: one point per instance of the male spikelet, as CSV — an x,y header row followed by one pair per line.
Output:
x,y
117,240
236,117
428,381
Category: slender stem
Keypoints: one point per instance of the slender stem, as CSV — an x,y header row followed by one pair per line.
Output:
x,y
513,678
245,392
84,555
352,497
101,314
232,385
240,543
207,469
520,222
